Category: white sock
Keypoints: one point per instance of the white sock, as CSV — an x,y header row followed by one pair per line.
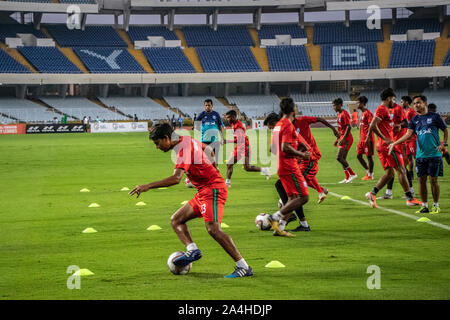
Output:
x,y
191,246
425,204
411,190
228,181
242,264
389,192
370,174
304,223
277,216
282,224
436,204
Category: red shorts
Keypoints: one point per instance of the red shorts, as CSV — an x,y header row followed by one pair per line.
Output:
x,y
208,203
294,184
348,143
395,159
411,147
239,153
361,148
309,168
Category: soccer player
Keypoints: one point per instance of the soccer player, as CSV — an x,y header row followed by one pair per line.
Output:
x,y
426,125
207,203
311,167
242,149
382,125
362,149
285,143
345,141
355,120
211,127
411,143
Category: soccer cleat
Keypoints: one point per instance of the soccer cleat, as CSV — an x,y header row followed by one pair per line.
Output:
x,y
386,196
435,210
413,202
367,177
240,272
228,184
372,199
266,172
423,210
301,228
325,190
343,181
187,258
322,196
351,178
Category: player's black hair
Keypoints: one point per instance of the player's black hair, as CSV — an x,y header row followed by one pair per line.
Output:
x,y
387,93
338,102
231,113
160,131
407,99
271,119
287,105
421,97
363,100
432,107
208,101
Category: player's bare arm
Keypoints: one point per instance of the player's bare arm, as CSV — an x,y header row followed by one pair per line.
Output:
x,y
329,125
374,128
441,147
286,147
344,137
407,135
167,182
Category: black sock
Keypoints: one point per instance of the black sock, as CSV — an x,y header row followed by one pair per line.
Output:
x,y
281,191
300,213
390,184
409,176
374,191
408,195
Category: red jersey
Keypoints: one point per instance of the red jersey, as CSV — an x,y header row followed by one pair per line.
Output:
x,y
284,131
355,117
195,163
343,121
239,133
411,113
301,124
386,124
366,119
399,116
302,139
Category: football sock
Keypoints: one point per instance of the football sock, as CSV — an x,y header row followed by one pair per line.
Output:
x,y
389,192
304,223
436,204
347,174
299,212
191,246
282,224
374,191
411,190
242,264
425,204
370,174
408,175
350,171
408,195
315,184
390,184
281,192
228,181
277,216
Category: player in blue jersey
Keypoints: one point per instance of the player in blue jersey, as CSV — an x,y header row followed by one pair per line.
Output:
x,y
426,126
211,127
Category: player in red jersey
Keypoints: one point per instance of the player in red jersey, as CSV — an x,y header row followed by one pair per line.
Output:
x,y
242,149
285,143
207,203
345,141
383,126
411,146
362,149
311,167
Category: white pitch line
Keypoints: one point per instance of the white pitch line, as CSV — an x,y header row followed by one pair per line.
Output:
x,y
406,215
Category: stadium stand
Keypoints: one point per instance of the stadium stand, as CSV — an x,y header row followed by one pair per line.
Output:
x,y
10,65
288,58
308,104
140,33
144,108
78,1
11,31
26,110
201,36
92,36
447,59
270,31
48,60
440,98
80,107
255,106
5,120
325,33
411,54
349,56
194,104
108,60
168,60
227,59
37,1
375,100
401,26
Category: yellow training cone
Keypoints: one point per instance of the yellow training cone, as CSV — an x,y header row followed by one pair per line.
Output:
x,y
154,227
224,225
275,264
423,219
184,202
83,272
125,189
89,230
85,190
140,204
345,198
94,205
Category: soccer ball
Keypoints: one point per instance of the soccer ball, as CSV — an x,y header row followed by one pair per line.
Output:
x,y
188,183
177,270
262,222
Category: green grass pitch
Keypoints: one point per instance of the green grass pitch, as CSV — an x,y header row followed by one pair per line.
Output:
x,y
42,214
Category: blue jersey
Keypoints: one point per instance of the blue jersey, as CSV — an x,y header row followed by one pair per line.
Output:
x,y
427,128
211,123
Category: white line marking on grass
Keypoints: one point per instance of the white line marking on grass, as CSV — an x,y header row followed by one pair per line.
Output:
x,y
406,215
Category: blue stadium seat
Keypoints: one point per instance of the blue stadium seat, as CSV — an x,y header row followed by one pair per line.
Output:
x,y
10,65
227,59
269,31
48,60
401,26
201,36
140,33
11,31
78,1
352,56
108,60
37,1
447,59
410,54
93,36
168,60
288,58
325,33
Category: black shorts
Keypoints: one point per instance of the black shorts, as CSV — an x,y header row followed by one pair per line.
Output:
x,y
432,167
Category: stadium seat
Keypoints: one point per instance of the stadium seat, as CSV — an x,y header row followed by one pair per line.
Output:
x,y
318,104
10,65
140,33
201,36
168,60
194,104
402,26
78,1
227,59
440,98
349,56
11,31
27,111
338,33
144,108
411,54
288,58
447,59
255,106
92,36
108,60
270,31
48,60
